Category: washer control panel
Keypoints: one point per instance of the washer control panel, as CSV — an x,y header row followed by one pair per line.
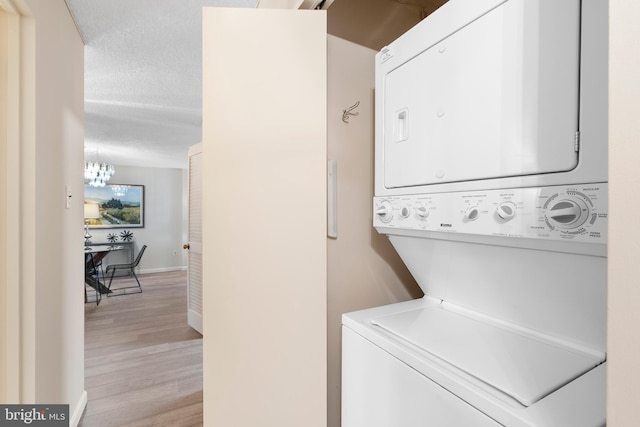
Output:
x,y
572,212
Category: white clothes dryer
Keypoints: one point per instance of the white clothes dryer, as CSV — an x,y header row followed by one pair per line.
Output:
x,y
491,184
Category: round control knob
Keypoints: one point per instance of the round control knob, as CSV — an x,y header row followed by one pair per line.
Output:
x,y
405,212
568,213
422,212
472,213
506,210
384,211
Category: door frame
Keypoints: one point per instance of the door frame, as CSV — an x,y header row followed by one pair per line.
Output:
x,y
17,285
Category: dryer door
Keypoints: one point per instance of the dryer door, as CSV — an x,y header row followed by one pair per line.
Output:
x,y
495,98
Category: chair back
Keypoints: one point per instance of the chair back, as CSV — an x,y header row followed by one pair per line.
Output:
x,y
139,257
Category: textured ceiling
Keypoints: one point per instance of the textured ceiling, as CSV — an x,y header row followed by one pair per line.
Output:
x,y
143,68
143,78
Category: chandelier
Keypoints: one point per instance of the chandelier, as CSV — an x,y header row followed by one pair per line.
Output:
x,y
98,174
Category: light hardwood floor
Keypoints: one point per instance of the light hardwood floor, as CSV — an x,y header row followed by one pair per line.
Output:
x,y
143,363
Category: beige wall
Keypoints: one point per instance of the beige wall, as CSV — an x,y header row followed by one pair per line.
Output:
x,y
45,301
624,236
363,268
264,217
56,156
375,23
3,203
10,284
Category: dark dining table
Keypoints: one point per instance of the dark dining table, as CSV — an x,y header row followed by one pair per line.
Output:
x,y
93,256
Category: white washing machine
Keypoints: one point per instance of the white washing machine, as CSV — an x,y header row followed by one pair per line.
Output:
x,y
491,183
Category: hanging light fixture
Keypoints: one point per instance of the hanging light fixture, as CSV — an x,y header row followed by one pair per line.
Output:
x,y
98,174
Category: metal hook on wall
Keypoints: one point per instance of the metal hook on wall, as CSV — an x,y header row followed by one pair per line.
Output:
x,y
348,112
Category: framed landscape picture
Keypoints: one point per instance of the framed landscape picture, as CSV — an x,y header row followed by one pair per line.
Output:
x,y
119,206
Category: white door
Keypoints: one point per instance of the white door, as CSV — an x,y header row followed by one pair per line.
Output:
x,y
194,246
264,138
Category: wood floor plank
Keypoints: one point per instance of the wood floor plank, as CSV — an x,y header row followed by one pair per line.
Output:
x,y
143,363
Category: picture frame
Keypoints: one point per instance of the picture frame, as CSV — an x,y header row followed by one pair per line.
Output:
x,y
119,205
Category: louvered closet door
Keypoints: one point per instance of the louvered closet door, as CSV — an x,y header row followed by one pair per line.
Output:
x,y
194,280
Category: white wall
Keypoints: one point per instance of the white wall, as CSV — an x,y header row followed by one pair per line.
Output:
x,y
264,210
363,268
164,221
623,391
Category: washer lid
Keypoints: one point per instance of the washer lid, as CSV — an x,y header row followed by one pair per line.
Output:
x,y
524,367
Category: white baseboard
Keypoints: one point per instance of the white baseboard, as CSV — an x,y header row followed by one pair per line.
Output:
x,y
194,320
162,270
74,419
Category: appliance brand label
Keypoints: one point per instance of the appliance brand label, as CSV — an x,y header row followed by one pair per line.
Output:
x,y
386,54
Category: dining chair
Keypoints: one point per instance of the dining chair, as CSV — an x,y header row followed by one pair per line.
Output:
x,y
111,271
93,270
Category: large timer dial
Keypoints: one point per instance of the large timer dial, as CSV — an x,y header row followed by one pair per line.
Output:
x,y
567,212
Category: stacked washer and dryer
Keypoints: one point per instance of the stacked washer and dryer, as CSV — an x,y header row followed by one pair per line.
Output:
x,y
491,184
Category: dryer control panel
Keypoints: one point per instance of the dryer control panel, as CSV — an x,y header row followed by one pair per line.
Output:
x,y
572,212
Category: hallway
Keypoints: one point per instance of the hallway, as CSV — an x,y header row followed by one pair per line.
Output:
x,y
143,363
